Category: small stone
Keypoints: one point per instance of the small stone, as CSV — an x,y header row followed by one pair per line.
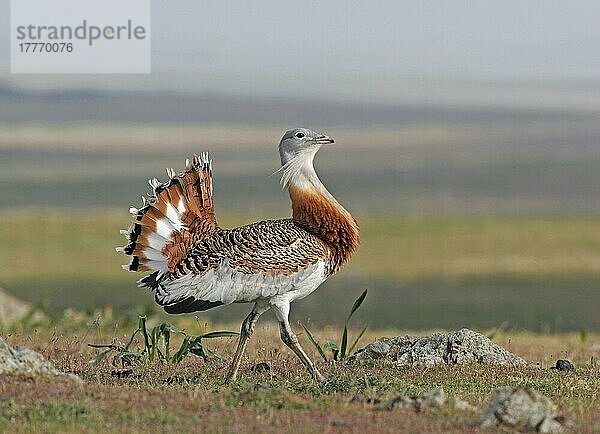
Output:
x,y
521,408
404,402
564,365
261,368
434,398
460,404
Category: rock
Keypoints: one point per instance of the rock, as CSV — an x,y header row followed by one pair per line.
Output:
x,y
460,347
460,404
404,402
549,425
261,368
523,409
13,309
434,398
21,360
563,365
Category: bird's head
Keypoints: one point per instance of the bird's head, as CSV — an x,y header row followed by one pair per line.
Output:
x,y
297,150
301,142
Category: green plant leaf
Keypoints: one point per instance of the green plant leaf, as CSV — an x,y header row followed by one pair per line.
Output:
x,y
199,350
134,334
315,343
155,336
344,343
100,356
157,344
357,304
167,338
330,345
183,350
356,340
144,330
223,334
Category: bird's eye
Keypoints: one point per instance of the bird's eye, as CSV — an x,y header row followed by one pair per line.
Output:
x,y
300,135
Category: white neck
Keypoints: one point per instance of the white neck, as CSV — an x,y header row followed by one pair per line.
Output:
x,y
299,172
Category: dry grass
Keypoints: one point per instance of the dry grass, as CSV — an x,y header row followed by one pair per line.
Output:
x,y
191,396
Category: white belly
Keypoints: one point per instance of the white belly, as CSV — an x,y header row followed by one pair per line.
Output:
x,y
228,285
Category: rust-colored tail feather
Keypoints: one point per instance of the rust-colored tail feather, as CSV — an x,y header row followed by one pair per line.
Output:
x,y
177,213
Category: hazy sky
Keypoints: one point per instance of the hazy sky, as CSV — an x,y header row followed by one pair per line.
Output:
x,y
487,38
319,43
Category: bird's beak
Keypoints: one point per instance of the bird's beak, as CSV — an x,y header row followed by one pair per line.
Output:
x,y
324,140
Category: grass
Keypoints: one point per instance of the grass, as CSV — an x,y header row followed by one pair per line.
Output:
x,y
537,269
57,243
539,273
191,397
157,345
340,352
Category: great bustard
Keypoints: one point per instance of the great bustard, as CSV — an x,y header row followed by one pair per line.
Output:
x,y
196,265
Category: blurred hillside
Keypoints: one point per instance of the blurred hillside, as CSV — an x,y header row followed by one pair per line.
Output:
x,y
81,148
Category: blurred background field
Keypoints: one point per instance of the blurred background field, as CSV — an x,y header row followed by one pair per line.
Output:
x,y
463,224
539,274
467,145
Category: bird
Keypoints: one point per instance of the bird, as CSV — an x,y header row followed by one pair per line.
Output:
x,y
196,265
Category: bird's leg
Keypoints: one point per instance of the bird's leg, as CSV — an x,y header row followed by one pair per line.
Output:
x,y
281,307
245,332
291,340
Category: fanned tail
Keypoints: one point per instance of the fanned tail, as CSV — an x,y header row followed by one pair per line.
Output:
x,y
175,215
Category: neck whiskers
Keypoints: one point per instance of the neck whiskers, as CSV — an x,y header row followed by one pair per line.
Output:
x,y
299,170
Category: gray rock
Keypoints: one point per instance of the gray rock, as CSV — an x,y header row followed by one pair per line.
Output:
x,y
13,309
404,402
460,404
21,360
550,426
521,408
460,347
434,398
